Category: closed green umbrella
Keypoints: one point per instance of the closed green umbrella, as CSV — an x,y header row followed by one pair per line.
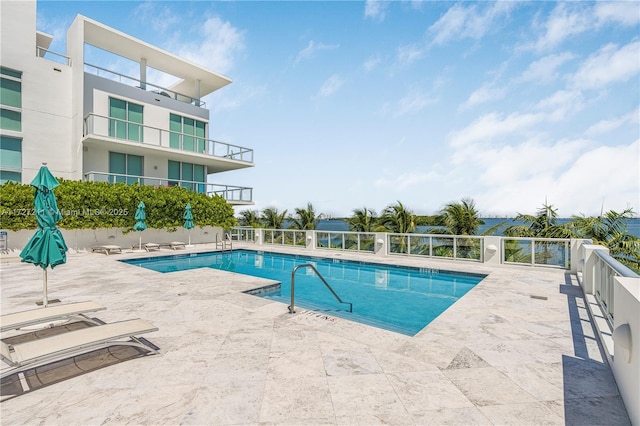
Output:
x,y
140,218
188,220
46,247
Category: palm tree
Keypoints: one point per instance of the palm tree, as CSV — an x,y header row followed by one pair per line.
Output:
x,y
305,218
362,220
610,230
543,225
397,219
249,218
273,219
461,218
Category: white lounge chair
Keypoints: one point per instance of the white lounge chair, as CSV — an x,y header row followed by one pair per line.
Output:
x,y
107,249
151,246
35,353
49,315
175,245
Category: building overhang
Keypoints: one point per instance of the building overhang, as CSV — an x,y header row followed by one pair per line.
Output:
x,y
195,80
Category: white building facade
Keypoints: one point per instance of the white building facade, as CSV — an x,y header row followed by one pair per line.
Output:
x,y
91,123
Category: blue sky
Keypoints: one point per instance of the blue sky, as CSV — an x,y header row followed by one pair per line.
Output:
x,y
354,104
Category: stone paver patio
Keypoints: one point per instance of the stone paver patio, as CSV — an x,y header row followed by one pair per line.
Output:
x,y
498,356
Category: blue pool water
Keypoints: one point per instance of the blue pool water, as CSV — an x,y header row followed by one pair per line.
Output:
x,y
400,299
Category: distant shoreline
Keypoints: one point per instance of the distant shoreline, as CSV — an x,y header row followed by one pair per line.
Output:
x,y
336,224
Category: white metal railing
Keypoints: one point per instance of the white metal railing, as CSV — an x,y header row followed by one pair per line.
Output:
x,y
545,252
132,81
536,251
229,193
461,247
53,56
605,269
137,133
243,233
351,241
287,237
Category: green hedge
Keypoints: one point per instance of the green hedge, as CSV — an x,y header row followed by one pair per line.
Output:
x,y
91,205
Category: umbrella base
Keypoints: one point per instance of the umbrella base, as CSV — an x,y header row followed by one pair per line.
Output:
x,y
49,301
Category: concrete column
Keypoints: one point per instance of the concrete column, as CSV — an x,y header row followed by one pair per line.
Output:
x,y
259,236
197,89
311,240
492,250
143,73
626,340
588,275
577,256
380,246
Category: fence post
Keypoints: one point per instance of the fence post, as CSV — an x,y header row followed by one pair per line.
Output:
x,y
589,273
259,236
311,239
492,251
380,246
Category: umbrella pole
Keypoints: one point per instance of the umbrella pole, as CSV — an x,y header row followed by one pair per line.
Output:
x,y
45,301
189,236
140,243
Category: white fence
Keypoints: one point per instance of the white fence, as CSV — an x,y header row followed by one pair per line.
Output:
x,y
544,252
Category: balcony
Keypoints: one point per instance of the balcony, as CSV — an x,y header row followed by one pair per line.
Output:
x,y
136,138
42,52
235,195
143,85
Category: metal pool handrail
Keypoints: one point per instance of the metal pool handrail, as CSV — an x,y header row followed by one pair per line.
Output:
x,y
313,268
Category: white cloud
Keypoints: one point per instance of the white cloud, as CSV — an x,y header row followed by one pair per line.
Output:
x,y
492,126
608,65
330,86
486,93
566,20
561,104
573,175
545,69
233,97
606,126
216,46
312,48
412,102
410,53
57,28
569,19
474,22
372,62
375,10
620,12
160,16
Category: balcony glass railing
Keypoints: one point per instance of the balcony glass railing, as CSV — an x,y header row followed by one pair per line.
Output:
x,y
536,251
53,56
233,194
152,136
134,82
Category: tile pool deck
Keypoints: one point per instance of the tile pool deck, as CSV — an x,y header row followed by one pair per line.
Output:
x,y
497,356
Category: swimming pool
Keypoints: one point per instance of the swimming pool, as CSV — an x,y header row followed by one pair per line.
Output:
x,y
400,299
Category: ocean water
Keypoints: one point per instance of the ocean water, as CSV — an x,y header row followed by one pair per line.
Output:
x,y
633,225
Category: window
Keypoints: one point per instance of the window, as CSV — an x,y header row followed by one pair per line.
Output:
x,y
180,172
186,133
126,120
10,99
10,159
125,164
